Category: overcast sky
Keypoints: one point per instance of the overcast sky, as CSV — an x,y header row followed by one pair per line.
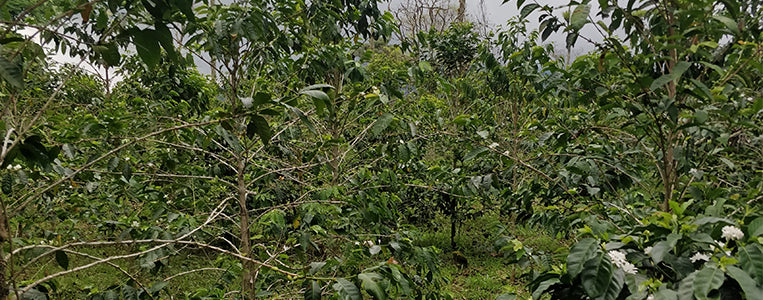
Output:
x,y
495,13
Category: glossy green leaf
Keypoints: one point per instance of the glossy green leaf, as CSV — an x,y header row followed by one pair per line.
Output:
x,y
62,259
665,294
751,259
313,292
755,228
543,286
475,153
597,275
11,72
678,70
382,123
369,282
662,248
258,125
147,46
706,280
748,285
580,16
730,24
581,252
347,290
528,9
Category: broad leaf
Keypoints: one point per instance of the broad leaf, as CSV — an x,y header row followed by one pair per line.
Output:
x,y
751,290
148,47
580,16
751,260
596,276
11,72
706,280
347,290
579,254
528,9
258,125
62,259
382,123
369,282
678,70
662,248
313,292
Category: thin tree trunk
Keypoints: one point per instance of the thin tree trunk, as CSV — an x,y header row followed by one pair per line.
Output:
x,y
461,11
247,280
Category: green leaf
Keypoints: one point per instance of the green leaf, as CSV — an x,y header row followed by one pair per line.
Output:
x,y
148,47
110,55
301,115
314,291
62,259
7,184
665,294
755,228
113,164
156,287
347,290
596,276
261,98
678,70
700,116
543,286
730,24
580,16
579,254
751,290
368,281
751,260
402,281
474,153
129,293
11,72
615,286
528,9
34,294
127,171
316,266
707,279
507,296
258,125
317,94
381,123
686,287
662,248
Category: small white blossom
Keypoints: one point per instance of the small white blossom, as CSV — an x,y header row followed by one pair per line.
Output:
x,y
648,250
9,167
493,145
127,159
650,297
731,233
247,102
699,257
369,243
721,244
135,224
618,259
629,268
17,167
357,243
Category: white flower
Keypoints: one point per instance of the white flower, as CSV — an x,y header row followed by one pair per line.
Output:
x,y
493,145
17,167
135,224
9,167
247,102
650,297
369,243
699,257
629,268
618,259
127,159
721,244
357,243
648,250
731,233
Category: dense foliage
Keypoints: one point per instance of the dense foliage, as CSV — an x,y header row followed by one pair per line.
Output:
x,y
319,154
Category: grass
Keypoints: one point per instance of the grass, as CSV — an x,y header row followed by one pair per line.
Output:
x,y
488,274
